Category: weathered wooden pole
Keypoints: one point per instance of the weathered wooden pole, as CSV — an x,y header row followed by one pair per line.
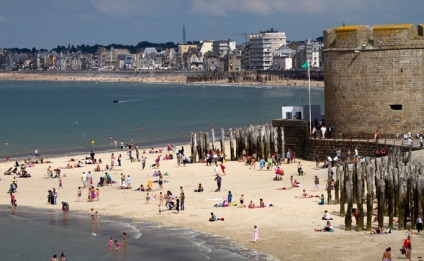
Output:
x,y
389,198
275,139
261,141
329,184
231,144
337,185
343,178
402,188
369,195
207,148
380,198
268,139
283,143
349,194
360,194
223,141
237,143
213,138
194,147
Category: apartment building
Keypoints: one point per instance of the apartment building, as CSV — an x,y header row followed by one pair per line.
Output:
x,y
261,47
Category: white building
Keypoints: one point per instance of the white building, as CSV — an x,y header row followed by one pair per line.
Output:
x,y
300,112
262,46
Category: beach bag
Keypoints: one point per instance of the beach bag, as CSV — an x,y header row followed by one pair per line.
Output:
x,y
234,203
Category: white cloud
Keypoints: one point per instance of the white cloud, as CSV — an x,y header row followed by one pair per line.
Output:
x,y
126,7
266,7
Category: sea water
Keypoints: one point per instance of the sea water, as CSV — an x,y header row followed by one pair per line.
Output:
x,y
34,234
60,117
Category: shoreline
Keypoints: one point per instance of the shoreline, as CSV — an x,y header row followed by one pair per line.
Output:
x,y
138,230
138,78
283,228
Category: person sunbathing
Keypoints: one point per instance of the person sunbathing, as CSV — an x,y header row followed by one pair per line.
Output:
x,y
251,204
377,231
295,184
327,228
304,195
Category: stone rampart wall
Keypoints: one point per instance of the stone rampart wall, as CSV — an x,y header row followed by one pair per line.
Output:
x,y
374,78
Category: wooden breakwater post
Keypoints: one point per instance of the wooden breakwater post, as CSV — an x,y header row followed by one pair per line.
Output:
x,y
194,147
231,144
398,190
223,141
262,140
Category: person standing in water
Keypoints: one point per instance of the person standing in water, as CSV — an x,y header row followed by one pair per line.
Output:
x,y
255,234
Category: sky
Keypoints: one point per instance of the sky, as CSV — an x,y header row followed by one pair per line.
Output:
x,y
49,23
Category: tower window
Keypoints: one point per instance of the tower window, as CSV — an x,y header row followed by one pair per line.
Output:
x,y
396,107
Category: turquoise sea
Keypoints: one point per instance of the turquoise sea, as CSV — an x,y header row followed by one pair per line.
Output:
x,y
65,117
62,117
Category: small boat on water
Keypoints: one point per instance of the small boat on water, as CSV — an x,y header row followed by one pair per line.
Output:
x,y
115,101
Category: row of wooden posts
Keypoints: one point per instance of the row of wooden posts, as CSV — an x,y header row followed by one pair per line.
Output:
x,y
263,140
392,181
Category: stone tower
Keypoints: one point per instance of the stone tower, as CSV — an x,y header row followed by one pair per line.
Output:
x,y
374,78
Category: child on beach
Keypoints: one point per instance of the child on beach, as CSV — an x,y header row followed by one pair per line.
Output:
x,y
110,243
147,199
255,234
98,194
92,214
216,168
124,239
60,183
96,216
160,199
13,200
177,204
118,245
79,193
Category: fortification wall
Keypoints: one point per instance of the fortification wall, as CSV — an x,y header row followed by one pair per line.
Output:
x,y
374,78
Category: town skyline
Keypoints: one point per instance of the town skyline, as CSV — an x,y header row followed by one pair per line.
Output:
x,y
47,24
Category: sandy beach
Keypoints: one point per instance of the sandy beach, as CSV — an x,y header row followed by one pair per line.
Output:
x,y
111,77
286,230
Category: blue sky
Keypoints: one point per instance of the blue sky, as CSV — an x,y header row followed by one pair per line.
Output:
x,y
48,23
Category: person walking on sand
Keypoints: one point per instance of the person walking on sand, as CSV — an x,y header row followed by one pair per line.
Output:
x,y
387,255
288,156
143,162
12,200
316,182
84,180
218,182
419,223
223,169
79,193
255,234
